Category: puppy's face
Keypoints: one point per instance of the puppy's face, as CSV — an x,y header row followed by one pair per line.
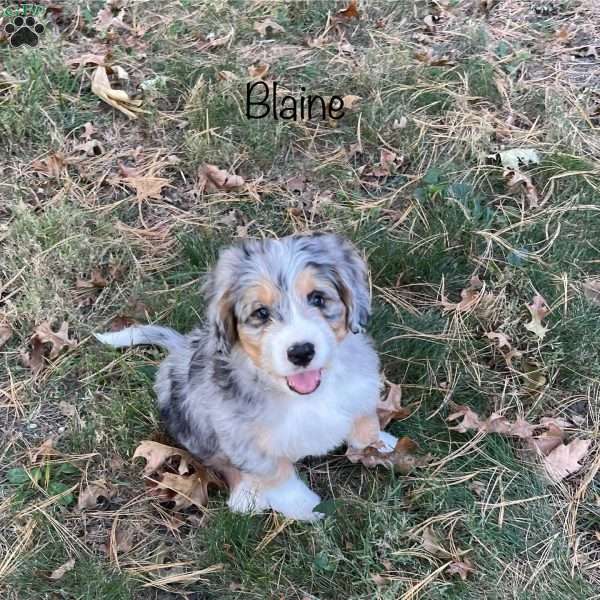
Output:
x,y
288,303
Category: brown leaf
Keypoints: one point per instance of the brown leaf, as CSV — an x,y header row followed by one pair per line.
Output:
x,y
539,310
564,459
401,458
391,408
96,495
53,165
5,333
34,359
88,131
146,186
210,43
227,76
90,148
350,11
591,289
212,179
258,71
548,440
515,178
43,450
296,184
350,101
470,419
120,541
263,26
118,99
95,281
60,572
472,298
462,568
189,485
58,340
157,454
431,543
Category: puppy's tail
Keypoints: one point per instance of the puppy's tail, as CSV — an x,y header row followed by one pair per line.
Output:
x,y
146,334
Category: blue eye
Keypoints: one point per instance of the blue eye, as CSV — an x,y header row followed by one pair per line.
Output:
x,y
262,313
316,299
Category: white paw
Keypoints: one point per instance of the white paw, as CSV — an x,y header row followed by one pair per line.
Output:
x,y
294,500
388,440
245,498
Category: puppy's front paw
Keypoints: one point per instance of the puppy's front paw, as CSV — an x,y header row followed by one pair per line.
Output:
x,y
245,498
388,440
294,500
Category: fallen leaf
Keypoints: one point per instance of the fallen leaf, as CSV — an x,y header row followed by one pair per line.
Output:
x,y
88,131
5,333
472,297
97,495
120,72
53,165
517,157
501,339
147,186
591,290
296,184
34,359
470,419
391,408
258,71
350,101
58,340
227,76
60,572
43,450
432,543
118,99
95,281
430,22
157,454
539,310
350,11
564,459
189,485
212,179
548,440
462,568
67,409
263,26
120,541
515,178
90,148
401,458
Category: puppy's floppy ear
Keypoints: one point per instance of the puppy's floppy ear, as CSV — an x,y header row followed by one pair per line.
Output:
x,y
351,275
217,289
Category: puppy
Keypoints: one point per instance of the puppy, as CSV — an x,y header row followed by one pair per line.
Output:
x,y
281,370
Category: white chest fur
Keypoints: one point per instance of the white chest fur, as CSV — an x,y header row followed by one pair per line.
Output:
x,y
319,422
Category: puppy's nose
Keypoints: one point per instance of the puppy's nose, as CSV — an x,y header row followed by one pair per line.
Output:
x,y
301,354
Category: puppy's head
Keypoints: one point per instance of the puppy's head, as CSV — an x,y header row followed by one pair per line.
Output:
x,y
287,304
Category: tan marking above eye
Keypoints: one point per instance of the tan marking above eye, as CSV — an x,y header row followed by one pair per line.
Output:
x,y
306,282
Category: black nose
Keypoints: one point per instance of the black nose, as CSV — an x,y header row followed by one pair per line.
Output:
x,y
301,354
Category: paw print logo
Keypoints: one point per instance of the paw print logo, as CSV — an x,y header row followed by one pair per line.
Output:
x,y
24,31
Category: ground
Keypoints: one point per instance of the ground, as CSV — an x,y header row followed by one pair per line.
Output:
x,y
413,175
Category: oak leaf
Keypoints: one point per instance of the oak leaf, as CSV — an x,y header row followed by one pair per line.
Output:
x,y
539,310
146,186
118,99
258,71
401,458
515,177
54,165
96,495
60,572
188,485
58,340
212,179
391,408
564,459
471,298
462,568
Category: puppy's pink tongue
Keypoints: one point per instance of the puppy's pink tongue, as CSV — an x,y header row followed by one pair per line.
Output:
x,y
304,383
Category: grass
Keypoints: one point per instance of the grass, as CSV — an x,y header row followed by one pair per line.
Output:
x,y
493,82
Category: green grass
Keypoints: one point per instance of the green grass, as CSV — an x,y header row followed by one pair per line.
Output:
x,y
445,215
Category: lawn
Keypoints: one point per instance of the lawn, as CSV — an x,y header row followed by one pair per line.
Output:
x,y
466,169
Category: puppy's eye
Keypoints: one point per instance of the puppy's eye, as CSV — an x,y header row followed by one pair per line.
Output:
x,y
262,313
316,299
